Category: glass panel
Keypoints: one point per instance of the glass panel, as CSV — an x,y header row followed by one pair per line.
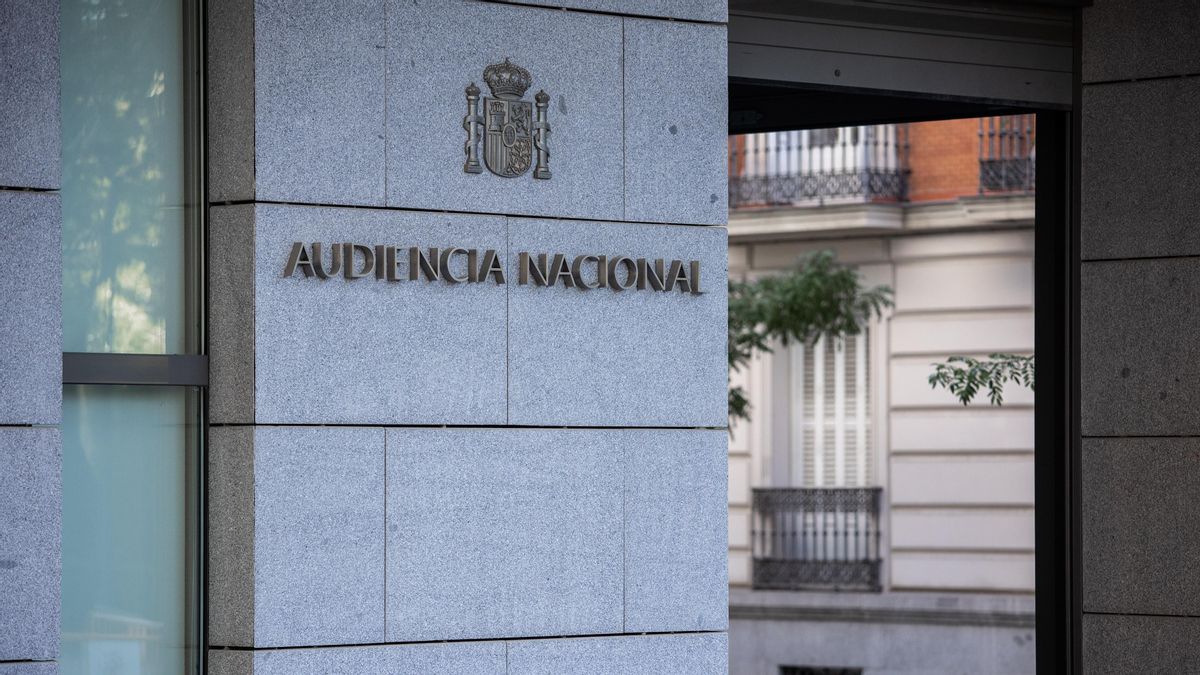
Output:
x,y
130,478
125,183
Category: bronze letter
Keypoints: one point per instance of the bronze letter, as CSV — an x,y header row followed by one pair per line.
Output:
x,y
631,273
474,274
560,268
652,275
418,263
348,260
527,268
678,276
380,258
298,258
449,276
491,266
696,278
577,272
391,265
335,260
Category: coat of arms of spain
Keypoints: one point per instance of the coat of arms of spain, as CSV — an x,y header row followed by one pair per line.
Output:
x,y
513,137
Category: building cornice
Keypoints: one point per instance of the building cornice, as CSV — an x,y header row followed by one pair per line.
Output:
x,y
880,219
943,609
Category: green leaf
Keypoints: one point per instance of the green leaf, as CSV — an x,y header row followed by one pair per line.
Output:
x,y
816,298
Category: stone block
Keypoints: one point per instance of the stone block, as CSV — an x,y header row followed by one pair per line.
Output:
x,y
231,528
1133,40
29,668
436,49
675,122
230,82
469,658
1139,510
617,358
679,654
1140,192
362,351
30,139
1115,644
231,662
320,87
314,536
31,323
694,10
503,533
676,523
30,542
231,314
1138,373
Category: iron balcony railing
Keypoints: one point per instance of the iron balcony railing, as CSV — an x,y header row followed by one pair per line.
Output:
x,y
818,166
1007,154
816,538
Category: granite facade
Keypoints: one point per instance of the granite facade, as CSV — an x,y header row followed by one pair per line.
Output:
x,y
29,115
676,102
693,10
305,544
601,357
30,542
436,49
31,323
398,459
1138,326
30,338
503,532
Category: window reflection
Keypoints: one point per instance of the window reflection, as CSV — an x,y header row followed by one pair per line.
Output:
x,y
124,183
129,535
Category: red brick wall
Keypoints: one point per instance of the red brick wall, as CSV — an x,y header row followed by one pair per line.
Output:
x,y
944,160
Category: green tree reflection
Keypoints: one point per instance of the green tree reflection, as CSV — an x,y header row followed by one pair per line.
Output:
x,y
123,178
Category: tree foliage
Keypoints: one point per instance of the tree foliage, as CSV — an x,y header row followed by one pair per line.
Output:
x,y
818,297
966,376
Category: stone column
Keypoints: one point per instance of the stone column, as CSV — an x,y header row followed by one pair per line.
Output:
x,y
1139,324
30,339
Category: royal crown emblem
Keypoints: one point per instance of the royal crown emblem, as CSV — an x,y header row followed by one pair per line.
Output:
x,y
513,138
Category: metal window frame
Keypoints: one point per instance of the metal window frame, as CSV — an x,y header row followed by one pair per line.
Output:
x,y
180,370
1057,487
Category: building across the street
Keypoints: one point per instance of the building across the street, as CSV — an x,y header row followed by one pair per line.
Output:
x,y
876,524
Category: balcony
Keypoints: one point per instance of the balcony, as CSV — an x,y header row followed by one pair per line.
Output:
x,y
1007,154
816,538
818,166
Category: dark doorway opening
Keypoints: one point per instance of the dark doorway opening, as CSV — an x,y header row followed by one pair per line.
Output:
x,y
758,106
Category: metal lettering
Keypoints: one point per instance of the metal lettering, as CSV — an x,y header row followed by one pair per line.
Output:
x,y
474,274
368,256
695,265
577,272
298,258
678,276
379,261
447,274
631,273
419,264
560,269
335,260
526,268
391,264
491,267
650,276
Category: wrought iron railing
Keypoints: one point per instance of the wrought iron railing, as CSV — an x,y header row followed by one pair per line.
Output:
x,y
816,538
1007,154
818,166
